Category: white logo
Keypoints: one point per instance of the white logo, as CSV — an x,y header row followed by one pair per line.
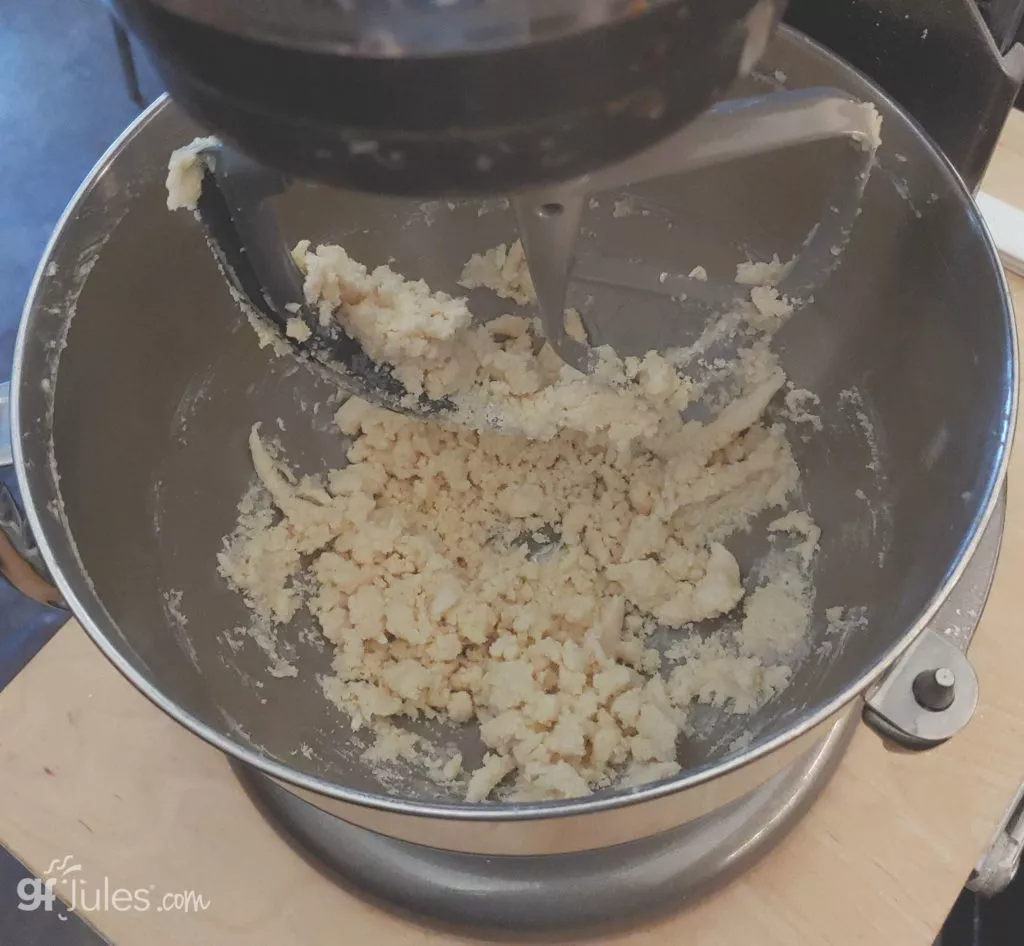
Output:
x,y
82,897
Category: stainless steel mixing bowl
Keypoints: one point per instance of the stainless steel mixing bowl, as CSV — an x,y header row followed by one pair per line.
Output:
x,y
136,383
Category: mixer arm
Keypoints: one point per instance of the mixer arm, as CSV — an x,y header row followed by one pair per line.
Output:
x,y
741,128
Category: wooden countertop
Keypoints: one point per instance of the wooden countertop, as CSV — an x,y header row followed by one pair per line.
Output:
x,y
89,768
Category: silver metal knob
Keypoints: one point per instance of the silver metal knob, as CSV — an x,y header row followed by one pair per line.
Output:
x,y
935,690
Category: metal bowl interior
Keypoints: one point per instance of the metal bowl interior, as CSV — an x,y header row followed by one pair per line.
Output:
x,y
137,384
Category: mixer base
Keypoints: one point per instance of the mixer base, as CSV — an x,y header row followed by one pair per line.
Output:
x,y
546,894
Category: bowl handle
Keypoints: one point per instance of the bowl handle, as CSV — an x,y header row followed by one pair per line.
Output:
x,y
931,692
20,561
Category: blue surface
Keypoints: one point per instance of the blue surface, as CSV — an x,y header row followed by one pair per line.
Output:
x,y
62,102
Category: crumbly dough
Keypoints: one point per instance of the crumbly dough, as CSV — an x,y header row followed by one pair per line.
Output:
x,y
762,272
770,304
513,578
503,270
490,372
506,564
297,329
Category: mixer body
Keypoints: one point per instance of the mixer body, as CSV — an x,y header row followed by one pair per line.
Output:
x,y
431,98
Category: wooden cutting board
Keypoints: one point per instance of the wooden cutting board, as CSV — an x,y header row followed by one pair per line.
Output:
x,y
89,768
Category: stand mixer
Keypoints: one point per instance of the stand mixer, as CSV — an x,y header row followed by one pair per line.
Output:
x,y
443,98
558,99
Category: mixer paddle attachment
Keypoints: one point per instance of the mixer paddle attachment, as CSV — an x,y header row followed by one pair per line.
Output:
x,y
242,232
549,218
549,222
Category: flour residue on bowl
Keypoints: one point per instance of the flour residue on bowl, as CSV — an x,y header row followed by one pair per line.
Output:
x,y
176,619
852,401
64,312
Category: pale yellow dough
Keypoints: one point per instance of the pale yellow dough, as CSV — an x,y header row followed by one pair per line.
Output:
x,y
503,270
185,174
512,578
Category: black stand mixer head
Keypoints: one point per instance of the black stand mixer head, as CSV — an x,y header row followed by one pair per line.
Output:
x,y
446,97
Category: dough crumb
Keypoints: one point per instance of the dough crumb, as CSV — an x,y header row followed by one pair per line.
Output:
x,y
770,304
623,207
574,327
298,330
798,401
766,273
503,270
185,174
